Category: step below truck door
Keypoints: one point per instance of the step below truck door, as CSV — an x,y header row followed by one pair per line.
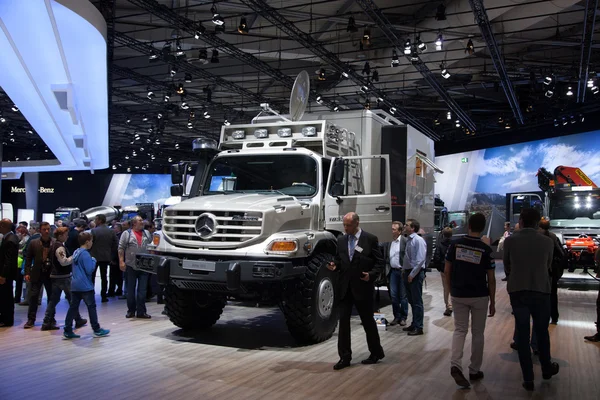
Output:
x,y
360,184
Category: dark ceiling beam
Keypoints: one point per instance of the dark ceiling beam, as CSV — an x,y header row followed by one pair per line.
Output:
x,y
288,27
329,23
482,20
371,9
185,66
194,28
161,106
154,84
589,21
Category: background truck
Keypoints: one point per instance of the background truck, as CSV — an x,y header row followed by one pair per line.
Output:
x,y
571,201
265,209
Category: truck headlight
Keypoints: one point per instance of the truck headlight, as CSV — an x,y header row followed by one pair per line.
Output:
x,y
238,134
282,246
284,132
309,131
156,239
261,133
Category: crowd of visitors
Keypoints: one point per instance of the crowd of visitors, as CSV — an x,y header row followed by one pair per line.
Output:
x,y
60,258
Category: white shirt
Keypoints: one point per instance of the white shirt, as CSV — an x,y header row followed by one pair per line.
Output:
x,y
395,253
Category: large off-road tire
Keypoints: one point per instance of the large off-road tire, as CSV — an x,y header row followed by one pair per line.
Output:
x,y
192,310
309,303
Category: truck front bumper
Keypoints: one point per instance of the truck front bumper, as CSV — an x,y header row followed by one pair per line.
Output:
x,y
219,275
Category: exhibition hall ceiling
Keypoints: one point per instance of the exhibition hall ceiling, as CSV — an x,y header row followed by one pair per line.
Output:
x,y
180,69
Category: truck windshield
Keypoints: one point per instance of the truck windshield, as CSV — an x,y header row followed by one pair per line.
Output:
x,y
294,175
585,204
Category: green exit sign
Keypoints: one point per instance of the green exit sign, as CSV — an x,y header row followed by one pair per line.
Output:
x,y
464,160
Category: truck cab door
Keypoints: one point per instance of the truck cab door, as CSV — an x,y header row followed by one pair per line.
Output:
x,y
360,184
519,201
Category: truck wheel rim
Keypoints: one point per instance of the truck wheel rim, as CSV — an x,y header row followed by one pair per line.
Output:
x,y
325,298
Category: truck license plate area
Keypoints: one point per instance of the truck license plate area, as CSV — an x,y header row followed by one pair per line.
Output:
x,y
198,265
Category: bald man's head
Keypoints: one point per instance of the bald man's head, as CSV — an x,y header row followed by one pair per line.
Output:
x,y
351,222
5,226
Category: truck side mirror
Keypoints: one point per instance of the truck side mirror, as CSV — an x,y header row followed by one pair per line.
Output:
x,y
176,174
176,190
338,170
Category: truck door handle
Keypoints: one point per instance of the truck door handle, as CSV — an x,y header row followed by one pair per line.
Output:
x,y
382,208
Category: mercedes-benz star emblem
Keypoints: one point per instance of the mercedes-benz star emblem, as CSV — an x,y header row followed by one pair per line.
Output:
x,y
206,225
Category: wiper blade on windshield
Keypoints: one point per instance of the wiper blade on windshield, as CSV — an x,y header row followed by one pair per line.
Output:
x,y
271,191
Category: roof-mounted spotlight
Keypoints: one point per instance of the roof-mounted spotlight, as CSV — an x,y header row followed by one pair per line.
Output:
x,y
200,29
217,19
215,57
173,70
395,59
407,47
375,76
439,42
470,49
445,73
321,75
351,25
569,91
548,79
243,26
421,45
366,39
440,14
188,78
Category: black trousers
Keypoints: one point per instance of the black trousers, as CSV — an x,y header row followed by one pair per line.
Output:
x,y
35,289
365,311
535,305
18,286
7,303
554,299
115,287
103,277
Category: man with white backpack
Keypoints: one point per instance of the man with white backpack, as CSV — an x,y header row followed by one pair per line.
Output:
x,y
133,241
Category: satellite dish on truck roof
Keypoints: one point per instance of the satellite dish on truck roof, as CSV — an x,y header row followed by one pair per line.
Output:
x,y
298,100
299,96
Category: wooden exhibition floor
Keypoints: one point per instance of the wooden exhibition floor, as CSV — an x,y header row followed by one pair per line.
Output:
x,y
249,355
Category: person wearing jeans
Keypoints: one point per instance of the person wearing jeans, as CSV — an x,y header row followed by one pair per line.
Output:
x,y
469,272
82,288
133,241
413,274
393,253
527,260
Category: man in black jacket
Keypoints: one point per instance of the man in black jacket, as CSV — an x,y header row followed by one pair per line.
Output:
x,y
359,263
105,242
37,270
9,251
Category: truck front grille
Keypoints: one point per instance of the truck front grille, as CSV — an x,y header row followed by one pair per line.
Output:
x,y
217,229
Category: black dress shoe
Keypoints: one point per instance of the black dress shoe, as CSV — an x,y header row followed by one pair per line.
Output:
x,y
514,346
29,324
105,300
341,364
373,359
408,328
476,377
459,378
80,323
593,338
5,325
143,316
415,332
50,327
529,386
130,315
554,367
395,321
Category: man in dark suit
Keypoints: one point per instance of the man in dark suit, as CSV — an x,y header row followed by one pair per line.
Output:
x,y
105,243
9,251
359,263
